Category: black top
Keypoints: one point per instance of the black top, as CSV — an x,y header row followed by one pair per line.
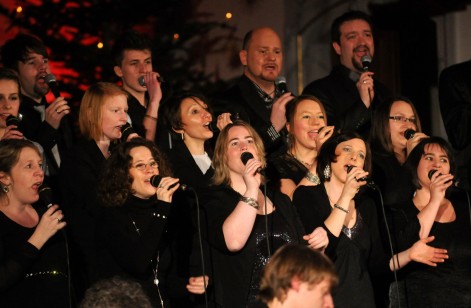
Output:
x,y
183,226
79,181
233,270
30,277
285,166
122,250
244,100
392,178
339,95
137,112
356,258
448,284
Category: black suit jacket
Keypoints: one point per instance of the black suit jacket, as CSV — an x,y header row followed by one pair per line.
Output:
x,y
455,106
343,105
243,99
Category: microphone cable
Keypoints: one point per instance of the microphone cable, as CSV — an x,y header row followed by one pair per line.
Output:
x,y
200,240
266,219
388,233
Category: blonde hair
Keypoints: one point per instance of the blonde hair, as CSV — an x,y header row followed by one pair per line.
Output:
x,y
221,170
91,115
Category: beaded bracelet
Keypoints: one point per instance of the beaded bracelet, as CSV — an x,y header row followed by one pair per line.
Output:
x,y
341,208
250,201
313,178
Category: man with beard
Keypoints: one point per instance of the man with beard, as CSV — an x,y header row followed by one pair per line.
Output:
x,y
349,93
41,122
255,98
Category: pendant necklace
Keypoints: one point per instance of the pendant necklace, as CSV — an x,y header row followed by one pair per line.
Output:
x,y
155,269
302,161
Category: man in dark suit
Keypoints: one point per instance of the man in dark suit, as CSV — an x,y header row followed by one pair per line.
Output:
x,y
349,93
455,107
254,97
41,122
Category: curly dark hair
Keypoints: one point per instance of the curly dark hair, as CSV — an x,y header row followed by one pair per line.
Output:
x,y
416,154
115,181
327,153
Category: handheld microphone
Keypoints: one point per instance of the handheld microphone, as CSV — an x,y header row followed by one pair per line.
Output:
x,y
12,120
245,157
51,81
155,181
409,134
142,80
126,130
369,182
366,62
45,194
280,83
456,183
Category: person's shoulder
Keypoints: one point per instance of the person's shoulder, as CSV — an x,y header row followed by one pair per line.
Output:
x,y
458,69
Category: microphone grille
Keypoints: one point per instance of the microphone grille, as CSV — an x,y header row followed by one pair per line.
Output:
x,y
366,59
45,194
431,173
141,81
245,157
280,79
155,180
50,78
409,133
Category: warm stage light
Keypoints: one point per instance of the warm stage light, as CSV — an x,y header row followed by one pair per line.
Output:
x,y
176,36
228,15
99,45
19,9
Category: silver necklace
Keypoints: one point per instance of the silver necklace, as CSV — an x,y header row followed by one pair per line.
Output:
x,y
155,269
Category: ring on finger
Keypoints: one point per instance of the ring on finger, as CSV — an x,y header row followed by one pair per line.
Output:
x,y
364,81
161,186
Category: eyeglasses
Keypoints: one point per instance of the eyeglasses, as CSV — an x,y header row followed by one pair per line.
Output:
x,y
142,166
402,119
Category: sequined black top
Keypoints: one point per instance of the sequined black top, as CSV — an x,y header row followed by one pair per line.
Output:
x,y
357,253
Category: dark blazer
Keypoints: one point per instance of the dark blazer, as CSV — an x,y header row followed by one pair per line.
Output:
x,y
79,174
244,100
455,106
343,105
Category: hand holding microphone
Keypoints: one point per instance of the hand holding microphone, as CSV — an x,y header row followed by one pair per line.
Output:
x,y
59,107
166,186
11,130
365,84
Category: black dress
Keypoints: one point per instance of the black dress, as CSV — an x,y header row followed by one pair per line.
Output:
x,y
448,284
355,258
236,274
128,242
30,277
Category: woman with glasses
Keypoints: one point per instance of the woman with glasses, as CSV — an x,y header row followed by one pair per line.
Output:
x,y
134,216
395,131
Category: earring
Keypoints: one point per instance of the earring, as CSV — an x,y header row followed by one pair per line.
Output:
x,y
5,188
183,136
327,172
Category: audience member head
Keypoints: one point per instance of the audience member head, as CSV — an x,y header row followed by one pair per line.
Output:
x,y
342,150
262,55
128,171
115,292
9,95
132,55
28,55
298,276
188,115
352,38
432,153
390,121
233,140
305,115
103,112
21,171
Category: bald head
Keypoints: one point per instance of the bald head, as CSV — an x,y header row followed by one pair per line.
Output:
x,y
262,55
